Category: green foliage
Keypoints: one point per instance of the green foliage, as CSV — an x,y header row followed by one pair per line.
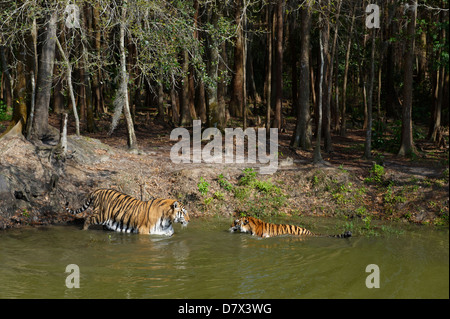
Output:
x,y
376,174
203,186
261,198
224,183
248,178
5,114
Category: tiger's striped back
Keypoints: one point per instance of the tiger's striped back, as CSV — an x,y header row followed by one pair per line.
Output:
x,y
257,227
121,212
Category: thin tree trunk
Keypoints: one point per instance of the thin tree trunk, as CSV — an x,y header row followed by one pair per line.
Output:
x,y
70,86
326,83
237,97
186,117
160,115
131,136
279,66
407,145
333,55
368,141
344,87
268,80
32,107
175,106
435,123
317,157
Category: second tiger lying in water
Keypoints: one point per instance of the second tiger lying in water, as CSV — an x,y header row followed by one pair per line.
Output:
x,y
257,227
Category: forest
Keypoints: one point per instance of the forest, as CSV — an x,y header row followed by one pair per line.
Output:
x,y
315,70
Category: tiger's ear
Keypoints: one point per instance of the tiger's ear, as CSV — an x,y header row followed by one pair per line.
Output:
x,y
176,205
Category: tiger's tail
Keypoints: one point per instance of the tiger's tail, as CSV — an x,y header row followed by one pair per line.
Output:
x,y
346,234
81,209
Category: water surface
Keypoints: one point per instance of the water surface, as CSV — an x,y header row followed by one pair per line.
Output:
x,y
205,261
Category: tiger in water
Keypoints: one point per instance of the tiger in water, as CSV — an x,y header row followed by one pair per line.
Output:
x,y
257,227
123,213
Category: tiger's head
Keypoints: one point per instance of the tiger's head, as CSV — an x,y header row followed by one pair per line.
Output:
x,y
242,224
179,214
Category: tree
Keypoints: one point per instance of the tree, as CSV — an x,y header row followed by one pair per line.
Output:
x,y
44,79
237,98
68,67
346,67
302,134
326,125
131,136
278,65
407,147
368,141
317,157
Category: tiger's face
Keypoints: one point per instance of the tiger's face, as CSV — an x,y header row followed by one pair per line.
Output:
x,y
242,224
180,214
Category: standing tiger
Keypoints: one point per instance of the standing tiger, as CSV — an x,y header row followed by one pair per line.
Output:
x,y
124,213
257,227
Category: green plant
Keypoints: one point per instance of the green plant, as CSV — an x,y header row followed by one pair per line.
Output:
x,y
203,186
219,195
25,213
241,193
367,220
248,178
5,114
361,211
208,200
224,183
376,174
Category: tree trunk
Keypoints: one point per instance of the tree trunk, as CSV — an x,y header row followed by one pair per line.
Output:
x,y
160,115
237,97
435,122
69,84
186,118
175,105
20,94
44,81
317,157
293,36
326,82
368,141
96,85
302,134
344,87
131,137
269,55
279,66
222,87
333,56
407,147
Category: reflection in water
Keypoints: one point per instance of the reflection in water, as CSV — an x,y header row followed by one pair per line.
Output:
x,y
206,261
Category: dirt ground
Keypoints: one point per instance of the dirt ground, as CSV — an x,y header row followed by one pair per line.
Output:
x,y
35,184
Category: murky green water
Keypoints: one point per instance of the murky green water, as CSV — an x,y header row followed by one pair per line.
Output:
x,y
205,261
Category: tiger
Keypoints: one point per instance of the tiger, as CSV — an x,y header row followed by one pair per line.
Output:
x,y
257,227
124,213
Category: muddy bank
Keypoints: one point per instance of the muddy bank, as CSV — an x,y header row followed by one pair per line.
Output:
x,y
35,184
